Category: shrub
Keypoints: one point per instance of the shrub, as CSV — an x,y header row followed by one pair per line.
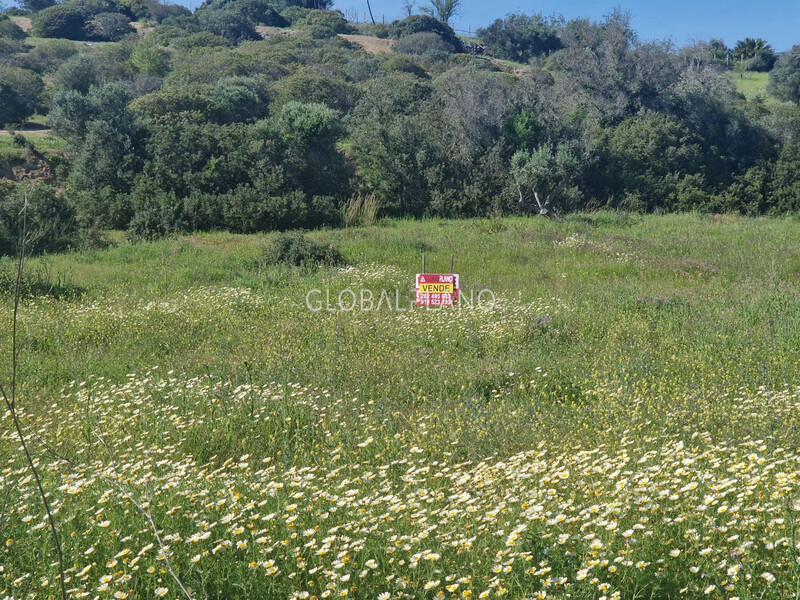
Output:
x,y
378,30
51,224
160,12
231,25
109,27
20,94
295,249
361,68
60,21
403,64
420,43
295,14
202,39
47,56
77,73
762,62
156,214
424,23
12,31
329,21
10,47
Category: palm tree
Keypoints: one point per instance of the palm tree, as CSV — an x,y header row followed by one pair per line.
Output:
x,y
748,47
443,10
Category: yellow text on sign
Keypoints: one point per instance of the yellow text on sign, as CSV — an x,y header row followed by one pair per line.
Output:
x,y
436,288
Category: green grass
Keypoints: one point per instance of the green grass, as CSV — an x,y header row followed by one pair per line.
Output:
x,y
11,151
623,420
753,86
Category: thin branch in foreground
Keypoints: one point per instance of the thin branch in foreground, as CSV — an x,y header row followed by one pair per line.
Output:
x,y
11,401
147,515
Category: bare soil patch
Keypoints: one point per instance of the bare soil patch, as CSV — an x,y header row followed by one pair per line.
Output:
x,y
371,44
23,22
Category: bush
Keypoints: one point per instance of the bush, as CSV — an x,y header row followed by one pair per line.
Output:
x,y
156,214
425,23
20,94
762,62
520,37
47,56
10,47
51,224
327,20
12,31
295,249
361,68
203,39
403,64
378,30
295,14
420,43
109,27
77,73
60,21
160,12
229,24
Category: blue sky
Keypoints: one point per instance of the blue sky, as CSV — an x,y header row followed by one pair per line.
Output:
x,y
683,21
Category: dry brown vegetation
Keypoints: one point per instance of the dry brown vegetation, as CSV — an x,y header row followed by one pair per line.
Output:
x,y
371,44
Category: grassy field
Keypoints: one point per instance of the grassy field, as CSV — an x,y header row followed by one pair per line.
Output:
x,y
753,86
615,418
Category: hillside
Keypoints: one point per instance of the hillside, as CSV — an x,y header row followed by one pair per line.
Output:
x,y
248,116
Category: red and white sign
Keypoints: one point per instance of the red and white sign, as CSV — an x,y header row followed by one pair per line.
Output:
x,y
436,289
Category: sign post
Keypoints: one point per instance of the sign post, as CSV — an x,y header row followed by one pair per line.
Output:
x,y
436,289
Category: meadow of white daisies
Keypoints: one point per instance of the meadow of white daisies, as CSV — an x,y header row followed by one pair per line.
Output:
x,y
623,421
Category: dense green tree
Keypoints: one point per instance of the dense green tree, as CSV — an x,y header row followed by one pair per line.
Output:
x,y
763,61
425,23
605,70
108,143
150,58
60,21
262,12
160,12
109,27
315,85
50,221
175,99
325,24
643,160
311,160
77,73
35,6
231,25
47,56
388,145
520,37
20,94
186,153
748,47
708,103
784,80
11,31
422,43
543,174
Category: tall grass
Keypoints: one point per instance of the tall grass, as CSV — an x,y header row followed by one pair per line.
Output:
x,y
361,210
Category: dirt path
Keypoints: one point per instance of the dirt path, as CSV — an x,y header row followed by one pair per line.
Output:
x,y
30,131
